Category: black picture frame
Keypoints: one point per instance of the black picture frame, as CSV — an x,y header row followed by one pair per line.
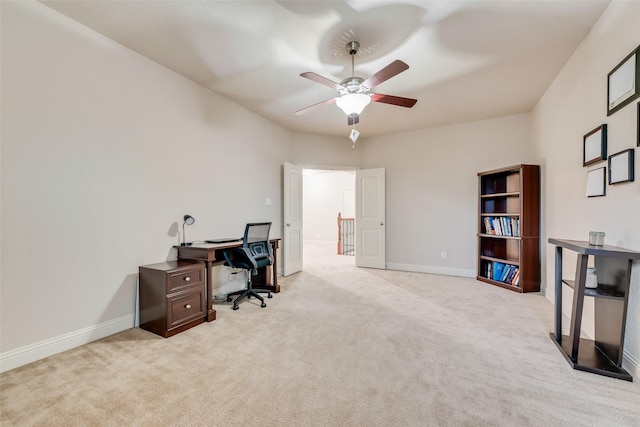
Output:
x,y
596,182
623,82
621,166
594,146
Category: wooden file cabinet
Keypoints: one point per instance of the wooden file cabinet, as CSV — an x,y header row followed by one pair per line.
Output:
x,y
172,297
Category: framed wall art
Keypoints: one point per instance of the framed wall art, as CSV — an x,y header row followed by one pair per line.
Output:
x,y
621,166
596,182
623,82
638,133
594,146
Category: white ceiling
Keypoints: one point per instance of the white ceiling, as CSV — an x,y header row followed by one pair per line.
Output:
x,y
469,60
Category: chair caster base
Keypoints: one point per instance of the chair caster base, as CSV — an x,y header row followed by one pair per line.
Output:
x,y
263,305
235,307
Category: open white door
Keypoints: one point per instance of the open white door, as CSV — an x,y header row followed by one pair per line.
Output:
x,y
292,213
370,218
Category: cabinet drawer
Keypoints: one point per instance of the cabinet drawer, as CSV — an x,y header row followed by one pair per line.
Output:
x,y
185,307
185,278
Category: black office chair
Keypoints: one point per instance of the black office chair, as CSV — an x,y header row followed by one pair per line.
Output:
x,y
255,253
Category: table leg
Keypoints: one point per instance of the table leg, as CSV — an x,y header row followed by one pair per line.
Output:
x,y
276,287
558,293
578,301
211,313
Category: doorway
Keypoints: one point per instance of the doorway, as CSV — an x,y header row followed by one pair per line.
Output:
x,y
326,194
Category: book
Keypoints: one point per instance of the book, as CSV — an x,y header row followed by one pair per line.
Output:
x,y
497,270
506,226
496,226
516,281
505,274
488,229
516,276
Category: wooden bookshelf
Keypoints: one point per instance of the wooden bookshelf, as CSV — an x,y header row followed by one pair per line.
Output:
x,y
509,227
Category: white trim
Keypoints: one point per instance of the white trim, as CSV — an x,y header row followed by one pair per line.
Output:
x,y
445,271
32,352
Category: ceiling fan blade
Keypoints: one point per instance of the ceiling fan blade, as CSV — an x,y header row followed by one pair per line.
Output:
x,y
322,80
353,119
304,110
395,68
394,100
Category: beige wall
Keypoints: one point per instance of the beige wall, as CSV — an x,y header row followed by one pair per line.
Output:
x,y
318,152
103,152
432,188
573,105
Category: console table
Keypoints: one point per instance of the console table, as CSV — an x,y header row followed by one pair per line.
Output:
x,y
212,254
603,355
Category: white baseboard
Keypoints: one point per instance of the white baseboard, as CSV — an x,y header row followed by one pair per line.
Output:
x,y
32,352
444,271
631,364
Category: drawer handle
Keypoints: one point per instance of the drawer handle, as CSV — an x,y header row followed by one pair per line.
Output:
x,y
188,306
187,279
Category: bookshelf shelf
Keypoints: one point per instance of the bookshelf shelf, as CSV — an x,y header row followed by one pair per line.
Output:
x,y
510,260
509,227
493,236
510,194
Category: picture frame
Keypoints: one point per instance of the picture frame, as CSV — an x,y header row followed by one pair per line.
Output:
x,y
621,166
638,133
594,146
596,180
623,82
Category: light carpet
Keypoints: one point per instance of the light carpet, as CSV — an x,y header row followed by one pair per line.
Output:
x,y
338,346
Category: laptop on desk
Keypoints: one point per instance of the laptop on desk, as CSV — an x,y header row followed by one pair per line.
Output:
x,y
224,240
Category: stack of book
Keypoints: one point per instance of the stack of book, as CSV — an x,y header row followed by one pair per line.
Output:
x,y
505,273
502,226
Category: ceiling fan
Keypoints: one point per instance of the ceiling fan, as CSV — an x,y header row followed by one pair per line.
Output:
x,y
355,91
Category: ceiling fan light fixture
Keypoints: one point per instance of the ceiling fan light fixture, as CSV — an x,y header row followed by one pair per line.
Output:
x,y
353,103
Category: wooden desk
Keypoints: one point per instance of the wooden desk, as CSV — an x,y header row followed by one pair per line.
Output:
x,y
212,254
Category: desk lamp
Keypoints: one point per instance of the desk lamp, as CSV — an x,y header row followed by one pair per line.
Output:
x,y
188,220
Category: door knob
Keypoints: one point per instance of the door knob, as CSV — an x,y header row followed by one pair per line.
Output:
x,y
288,225
382,223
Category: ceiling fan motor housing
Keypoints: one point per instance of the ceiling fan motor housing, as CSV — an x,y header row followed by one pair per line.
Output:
x,y
353,85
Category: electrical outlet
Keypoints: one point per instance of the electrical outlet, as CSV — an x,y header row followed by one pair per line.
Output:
x,y
267,201
443,254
